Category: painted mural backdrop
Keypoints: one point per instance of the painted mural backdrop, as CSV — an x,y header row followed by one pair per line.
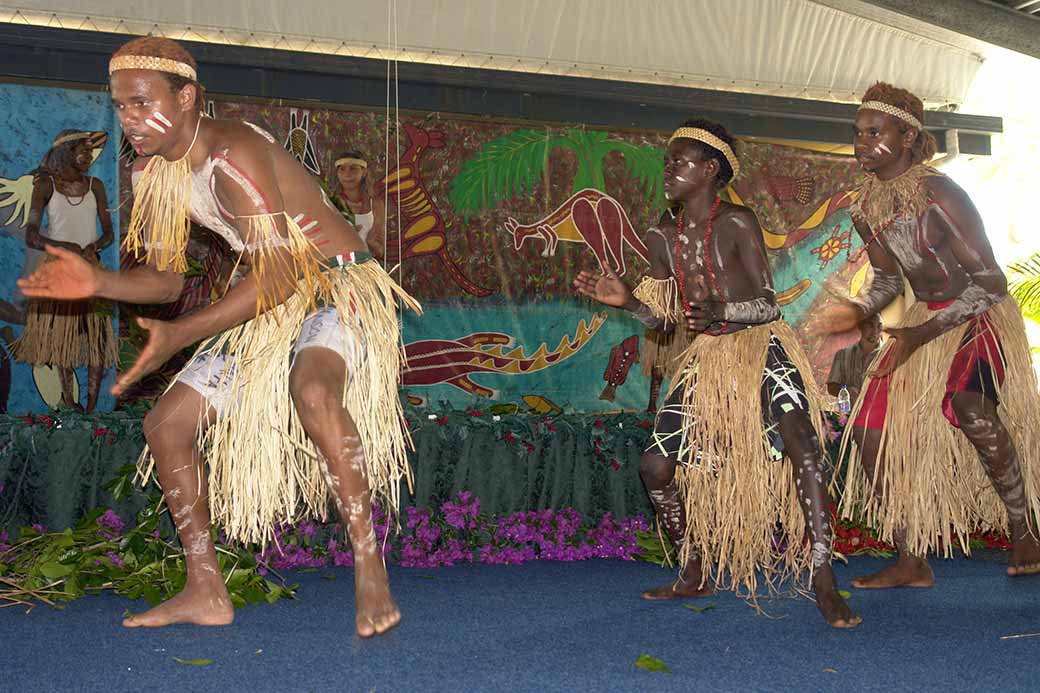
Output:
x,y
29,121
488,224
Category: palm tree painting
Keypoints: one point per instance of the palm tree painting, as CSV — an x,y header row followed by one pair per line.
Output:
x,y
514,164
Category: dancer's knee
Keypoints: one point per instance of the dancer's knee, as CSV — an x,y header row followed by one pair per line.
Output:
x,y
311,397
800,440
656,470
166,428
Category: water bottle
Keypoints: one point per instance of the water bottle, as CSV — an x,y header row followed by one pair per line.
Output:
x,y
844,400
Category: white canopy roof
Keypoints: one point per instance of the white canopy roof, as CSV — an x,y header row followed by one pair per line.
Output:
x,y
830,49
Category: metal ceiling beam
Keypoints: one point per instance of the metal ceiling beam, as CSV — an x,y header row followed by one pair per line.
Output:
x,y
38,53
986,21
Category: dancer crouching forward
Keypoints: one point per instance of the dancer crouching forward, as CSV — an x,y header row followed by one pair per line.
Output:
x,y
959,360
712,466
279,438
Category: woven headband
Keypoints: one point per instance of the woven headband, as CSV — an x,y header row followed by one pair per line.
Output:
x,y
348,160
70,137
891,110
712,141
147,62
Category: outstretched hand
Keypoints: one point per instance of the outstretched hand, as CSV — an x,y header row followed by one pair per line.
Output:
x,y
66,277
607,288
165,339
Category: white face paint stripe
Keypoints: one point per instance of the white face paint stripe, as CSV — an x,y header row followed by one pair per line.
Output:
x,y
162,119
884,147
155,126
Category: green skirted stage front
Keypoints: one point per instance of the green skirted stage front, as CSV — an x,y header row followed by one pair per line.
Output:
x,y
54,468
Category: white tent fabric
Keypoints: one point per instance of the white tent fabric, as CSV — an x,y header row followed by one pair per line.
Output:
x,y
787,47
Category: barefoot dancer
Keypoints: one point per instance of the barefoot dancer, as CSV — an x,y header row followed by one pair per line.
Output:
x,y
277,437
714,270
959,360
66,334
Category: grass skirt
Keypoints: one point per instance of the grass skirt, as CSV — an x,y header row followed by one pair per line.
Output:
x,y
67,334
263,469
933,482
733,489
661,351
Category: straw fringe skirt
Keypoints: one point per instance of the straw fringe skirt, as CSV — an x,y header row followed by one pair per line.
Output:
x,y
733,489
67,334
662,351
263,469
933,482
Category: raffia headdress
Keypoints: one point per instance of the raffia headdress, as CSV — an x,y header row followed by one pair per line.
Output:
x,y
891,110
711,140
151,62
348,160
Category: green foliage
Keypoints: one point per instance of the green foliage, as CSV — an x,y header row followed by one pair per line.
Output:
x,y
1024,285
646,166
56,567
512,164
656,548
648,663
506,166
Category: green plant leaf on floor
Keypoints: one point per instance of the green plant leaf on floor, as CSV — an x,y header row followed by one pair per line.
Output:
x,y
194,662
844,594
648,663
140,562
699,609
828,670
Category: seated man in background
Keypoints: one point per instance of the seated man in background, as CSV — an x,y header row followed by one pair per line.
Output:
x,y
849,367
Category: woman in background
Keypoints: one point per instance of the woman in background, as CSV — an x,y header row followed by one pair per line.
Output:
x,y
67,334
356,192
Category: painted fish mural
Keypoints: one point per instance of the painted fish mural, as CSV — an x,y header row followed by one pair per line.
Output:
x,y
454,361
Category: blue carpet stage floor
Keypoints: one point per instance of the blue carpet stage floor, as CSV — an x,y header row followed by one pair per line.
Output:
x,y
548,627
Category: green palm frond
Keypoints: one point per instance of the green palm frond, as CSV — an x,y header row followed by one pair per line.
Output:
x,y
646,165
505,166
1024,285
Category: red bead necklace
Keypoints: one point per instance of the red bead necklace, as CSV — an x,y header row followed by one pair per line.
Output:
x,y
680,271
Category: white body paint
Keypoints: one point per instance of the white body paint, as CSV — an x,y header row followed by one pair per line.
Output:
x,y
155,126
162,119
902,240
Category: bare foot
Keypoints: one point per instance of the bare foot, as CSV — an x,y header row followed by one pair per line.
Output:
x,y
831,604
1025,553
203,605
691,583
907,571
377,611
